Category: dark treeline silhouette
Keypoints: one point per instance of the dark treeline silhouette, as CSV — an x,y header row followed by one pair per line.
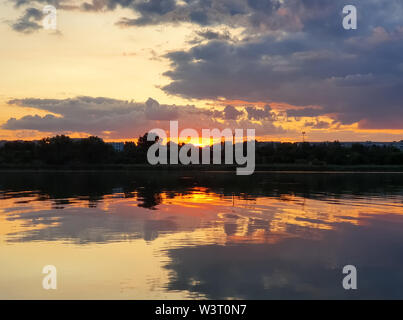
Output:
x,y
333,153
62,150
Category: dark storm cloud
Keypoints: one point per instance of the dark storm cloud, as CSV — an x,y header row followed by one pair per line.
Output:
x,y
20,3
29,22
354,75
94,115
259,114
39,4
231,113
293,51
119,118
306,112
317,124
208,34
320,16
200,12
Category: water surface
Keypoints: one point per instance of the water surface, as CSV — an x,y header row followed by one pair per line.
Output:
x,y
215,235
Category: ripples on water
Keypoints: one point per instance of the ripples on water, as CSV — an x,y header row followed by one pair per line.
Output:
x,y
206,235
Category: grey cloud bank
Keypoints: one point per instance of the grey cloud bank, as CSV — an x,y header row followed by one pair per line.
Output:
x,y
123,119
291,51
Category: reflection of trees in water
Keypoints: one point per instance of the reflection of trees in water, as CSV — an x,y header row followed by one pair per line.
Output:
x,y
149,199
65,187
84,224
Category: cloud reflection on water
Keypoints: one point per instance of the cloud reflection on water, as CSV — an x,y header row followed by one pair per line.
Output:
x,y
285,237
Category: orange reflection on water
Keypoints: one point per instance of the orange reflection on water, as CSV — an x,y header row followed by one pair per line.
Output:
x,y
125,246
197,215
233,219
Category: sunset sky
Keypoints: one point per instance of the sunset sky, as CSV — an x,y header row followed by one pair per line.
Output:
x,y
118,68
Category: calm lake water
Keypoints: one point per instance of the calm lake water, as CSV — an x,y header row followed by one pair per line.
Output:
x,y
162,235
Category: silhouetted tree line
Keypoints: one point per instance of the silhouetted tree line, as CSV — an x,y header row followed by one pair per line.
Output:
x,y
332,153
62,150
